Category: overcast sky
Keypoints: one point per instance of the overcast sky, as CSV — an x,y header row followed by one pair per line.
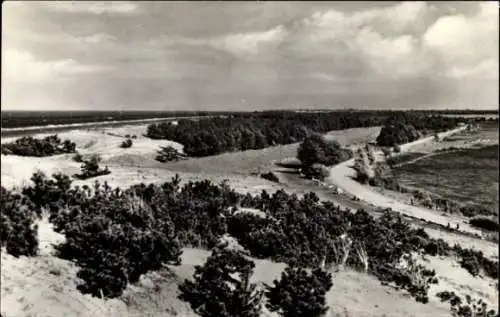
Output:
x,y
249,55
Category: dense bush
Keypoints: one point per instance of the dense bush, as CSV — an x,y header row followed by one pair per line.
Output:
x,y
90,168
48,193
316,171
475,262
270,177
77,158
29,146
115,238
18,232
222,288
404,127
397,133
169,153
485,223
472,210
126,144
316,149
300,293
470,308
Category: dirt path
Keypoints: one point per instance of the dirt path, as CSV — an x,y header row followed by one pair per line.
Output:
x,y
418,159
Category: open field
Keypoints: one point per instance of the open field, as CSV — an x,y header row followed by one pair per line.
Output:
x,y
487,134
46,285
467,176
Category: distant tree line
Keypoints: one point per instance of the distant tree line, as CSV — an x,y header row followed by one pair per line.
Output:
x,y
407,127
30,146
210,136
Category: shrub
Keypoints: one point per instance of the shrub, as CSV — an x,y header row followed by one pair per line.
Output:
x,y
115,238
90,168
78,158
270,177
126,144
470,308
485,223
169,153
476,210
316,171
222,288
316,149
299,293
475,262
396,133
18,231
29,146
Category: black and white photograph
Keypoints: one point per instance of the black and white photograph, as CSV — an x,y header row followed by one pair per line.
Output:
x,y
249,159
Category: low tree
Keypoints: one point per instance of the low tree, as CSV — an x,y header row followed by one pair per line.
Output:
x,y
316,149
126,144
364,170
300,293
169,153
222,288
90,168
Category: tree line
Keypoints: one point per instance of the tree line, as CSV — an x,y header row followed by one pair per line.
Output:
x,y
210,136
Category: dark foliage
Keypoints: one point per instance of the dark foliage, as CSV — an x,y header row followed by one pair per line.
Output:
x,y
316,149
472,210
397,133
270,177
222,288
404,127
90,168
48,193
169,153
126,144
78,158
475,262
18,232
300,293
316,171
29,146
485,223
468,308
115,238
216,135
127,233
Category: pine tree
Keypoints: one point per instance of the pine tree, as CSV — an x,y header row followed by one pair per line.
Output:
x,y
300,293
221,287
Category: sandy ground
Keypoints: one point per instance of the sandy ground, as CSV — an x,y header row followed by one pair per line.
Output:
x,y
46,286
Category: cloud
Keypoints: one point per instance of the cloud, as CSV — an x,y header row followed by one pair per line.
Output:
x,y
113,7
466,41
19,66
349,53
252,42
